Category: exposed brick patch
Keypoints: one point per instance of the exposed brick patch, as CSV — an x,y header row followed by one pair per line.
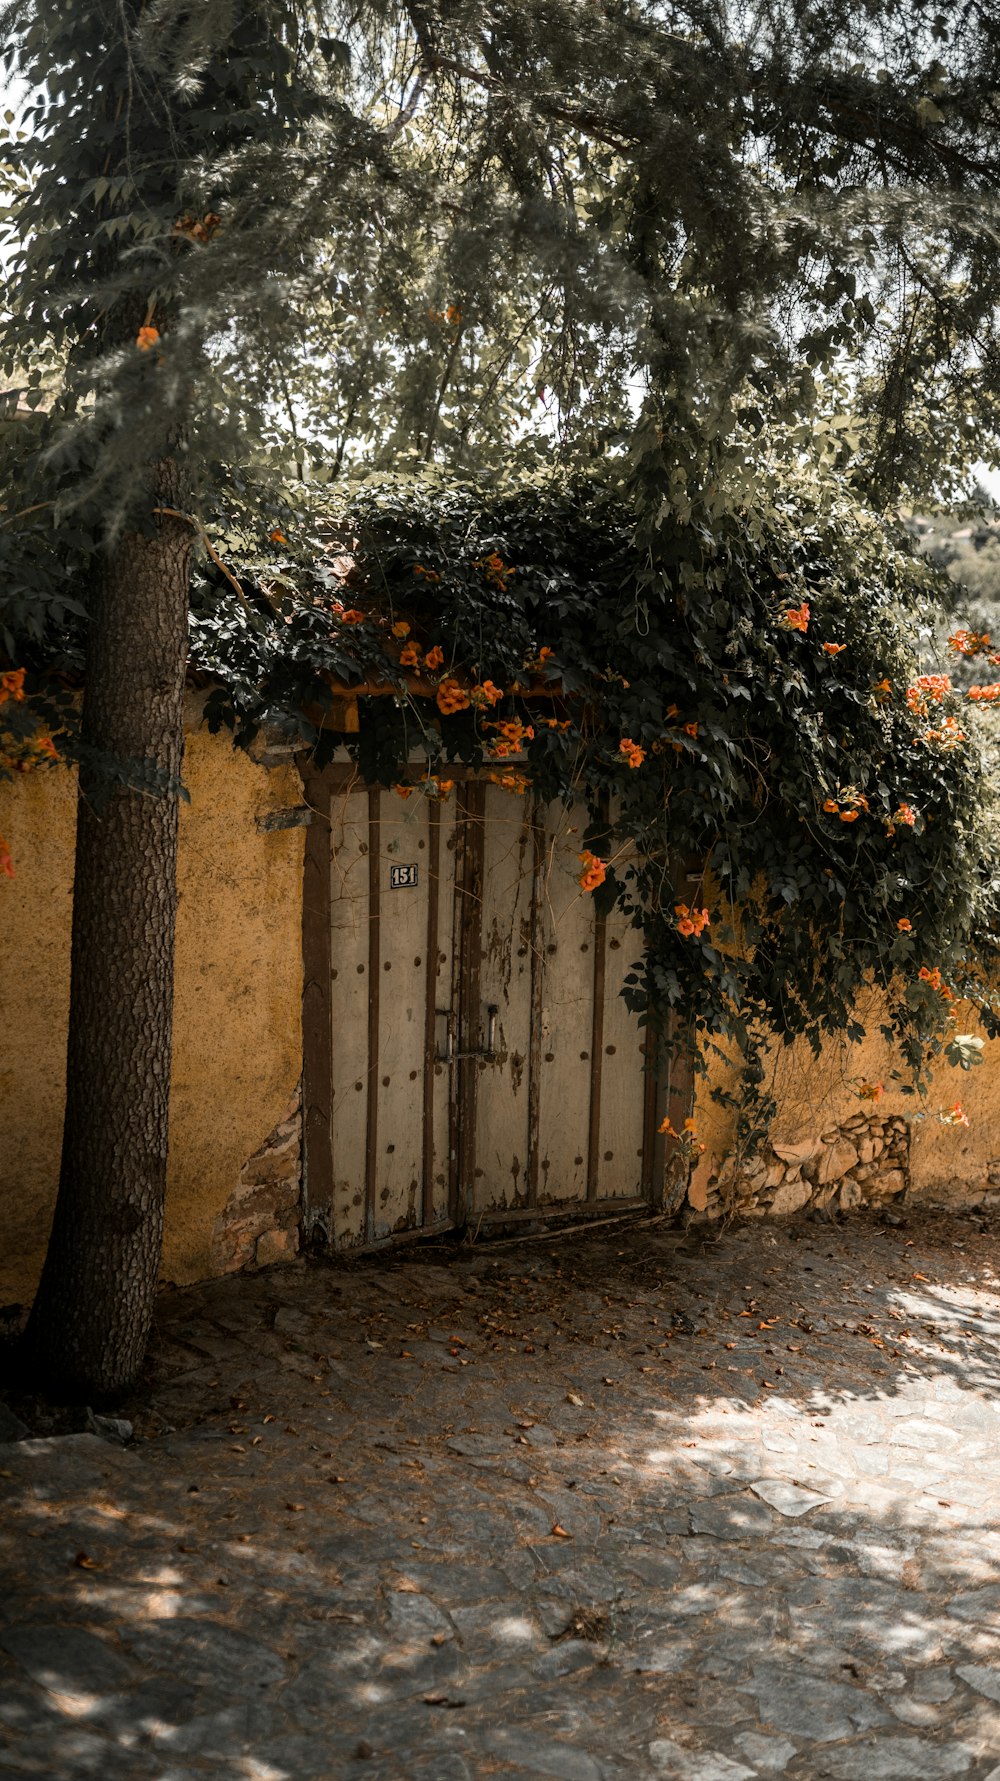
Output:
x,y
260,1220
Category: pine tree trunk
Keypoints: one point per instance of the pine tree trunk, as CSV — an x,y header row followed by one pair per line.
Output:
x,y
90,1322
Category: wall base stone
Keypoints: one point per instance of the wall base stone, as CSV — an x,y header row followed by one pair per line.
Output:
x,y
864,1160
260,1221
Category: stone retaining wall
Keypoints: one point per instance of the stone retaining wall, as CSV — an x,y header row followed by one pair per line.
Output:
x,y
864,1159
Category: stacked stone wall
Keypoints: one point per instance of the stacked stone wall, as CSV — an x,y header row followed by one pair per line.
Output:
x,y
865,1159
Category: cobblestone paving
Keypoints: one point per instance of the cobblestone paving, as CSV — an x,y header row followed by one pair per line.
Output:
x,y
601,1508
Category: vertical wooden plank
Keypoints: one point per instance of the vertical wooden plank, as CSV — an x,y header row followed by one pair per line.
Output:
x,y
536,943
600,941
317,1052
442,993
567,1013
374,923
501,1163
470,1021
651,1117
623,1101
404,827
348,872
430,1009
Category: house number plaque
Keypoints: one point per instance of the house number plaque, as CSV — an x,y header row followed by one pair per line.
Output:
x,y
402,877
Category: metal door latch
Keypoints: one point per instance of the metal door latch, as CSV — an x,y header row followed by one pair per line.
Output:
x,y
487,1053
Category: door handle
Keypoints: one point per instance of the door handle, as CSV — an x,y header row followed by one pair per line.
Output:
x,y
487,1053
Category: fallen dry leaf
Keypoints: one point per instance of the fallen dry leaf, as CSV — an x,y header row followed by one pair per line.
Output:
x,y
561,1532
83,1563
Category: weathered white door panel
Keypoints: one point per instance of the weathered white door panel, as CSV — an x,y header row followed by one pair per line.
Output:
x,y
349,994
395,1146
482,1063
565,941
622,1084
505,983
391,946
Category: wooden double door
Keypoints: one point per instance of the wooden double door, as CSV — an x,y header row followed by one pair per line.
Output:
x,y
468,1053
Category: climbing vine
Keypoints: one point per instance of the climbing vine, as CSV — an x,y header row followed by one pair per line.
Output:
x,y
784,798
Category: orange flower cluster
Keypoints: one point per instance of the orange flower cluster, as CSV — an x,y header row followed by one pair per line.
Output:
x,y
834,649
486,694
949,736
430,784
985,695
849,806
882,691
409,655
686,1138
428,574
197,228
512,736
146,338
630,752
690,729
955,1115
12,685
510,782
434,658
690,921
870,1091
927,690
277,537
905,925
497,571
964,642
451,697
796,618
934,981
40,748
905,816
594,872
535,664
400,629
352,617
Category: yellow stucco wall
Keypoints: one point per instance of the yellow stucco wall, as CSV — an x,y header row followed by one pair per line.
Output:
x,y
237,1016
237,1029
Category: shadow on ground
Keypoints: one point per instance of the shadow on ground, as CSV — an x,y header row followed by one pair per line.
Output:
x,y
604,1507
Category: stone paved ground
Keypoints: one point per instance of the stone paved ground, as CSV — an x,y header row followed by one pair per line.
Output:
x,y
593,1509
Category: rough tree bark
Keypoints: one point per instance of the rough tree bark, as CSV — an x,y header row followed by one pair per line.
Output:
x,y
91,1318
